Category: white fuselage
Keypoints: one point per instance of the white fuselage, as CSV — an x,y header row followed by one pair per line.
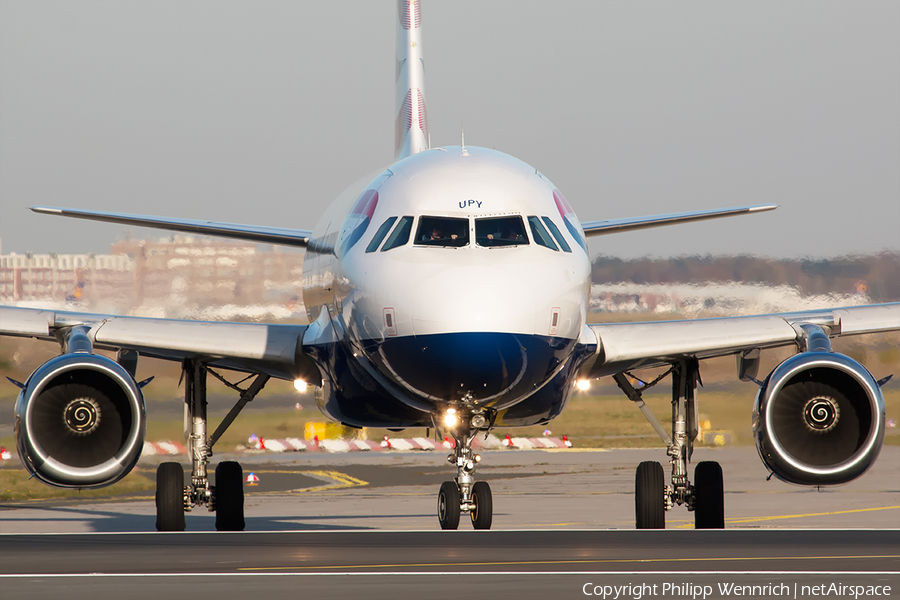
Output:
x,y
417,295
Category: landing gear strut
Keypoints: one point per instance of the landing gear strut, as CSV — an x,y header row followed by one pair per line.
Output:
x,y
652,498
464,494
226,498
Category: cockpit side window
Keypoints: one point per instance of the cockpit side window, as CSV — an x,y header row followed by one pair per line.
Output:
x,y
540,235
379,235
442,231
557,234
400,235
500,231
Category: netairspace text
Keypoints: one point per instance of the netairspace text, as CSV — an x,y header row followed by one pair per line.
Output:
x,y
636,591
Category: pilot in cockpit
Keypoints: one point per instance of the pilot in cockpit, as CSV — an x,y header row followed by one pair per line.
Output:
x,y
437,235
507,235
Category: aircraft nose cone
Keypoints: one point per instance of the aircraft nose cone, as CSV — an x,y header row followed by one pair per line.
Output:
x,y
495,368
473,333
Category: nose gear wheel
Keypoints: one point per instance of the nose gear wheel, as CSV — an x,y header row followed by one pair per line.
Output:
x,y
482,514
448,505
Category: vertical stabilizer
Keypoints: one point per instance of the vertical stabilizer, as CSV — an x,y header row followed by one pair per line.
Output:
x,y
411,131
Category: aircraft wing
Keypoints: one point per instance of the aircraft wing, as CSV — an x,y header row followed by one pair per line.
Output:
x,y
253,233
592,228
626,346
251,347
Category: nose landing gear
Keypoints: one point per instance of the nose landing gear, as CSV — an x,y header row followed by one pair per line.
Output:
x,y
464,494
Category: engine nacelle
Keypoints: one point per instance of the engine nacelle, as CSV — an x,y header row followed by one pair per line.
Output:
x,y
80,421
819,419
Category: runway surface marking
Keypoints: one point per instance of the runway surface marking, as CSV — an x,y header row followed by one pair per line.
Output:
x,y
339,481
778,517
568,562
428,574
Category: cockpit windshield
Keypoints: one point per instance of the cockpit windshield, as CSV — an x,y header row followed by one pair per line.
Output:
x,y
442,231
500,231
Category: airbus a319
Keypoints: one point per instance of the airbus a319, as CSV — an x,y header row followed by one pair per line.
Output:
x,y
451,292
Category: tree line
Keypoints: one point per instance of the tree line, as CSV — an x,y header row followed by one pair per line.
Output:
x,y
877,275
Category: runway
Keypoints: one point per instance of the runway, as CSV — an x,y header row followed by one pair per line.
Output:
x,y
331,526
458,551
379,564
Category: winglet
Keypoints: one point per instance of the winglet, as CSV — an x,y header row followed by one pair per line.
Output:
x,y
411,131
47,210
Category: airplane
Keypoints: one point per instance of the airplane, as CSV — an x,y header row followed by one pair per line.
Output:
x,y
451,292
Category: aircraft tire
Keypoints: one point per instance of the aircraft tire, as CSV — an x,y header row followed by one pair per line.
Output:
x,y
229,496
448,505
484,505
170,497
649,496
709,496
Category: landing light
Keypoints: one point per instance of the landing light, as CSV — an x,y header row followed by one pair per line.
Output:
x,y
450,418
583,385
300,385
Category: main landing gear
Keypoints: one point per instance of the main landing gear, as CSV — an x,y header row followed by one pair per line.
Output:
x,y
652,497
464,494
226,498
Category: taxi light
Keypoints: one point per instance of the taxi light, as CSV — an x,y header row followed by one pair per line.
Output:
x,y
450,418
300,385
583,385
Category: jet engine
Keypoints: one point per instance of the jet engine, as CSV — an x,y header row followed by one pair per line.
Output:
x,y
80,421
819,419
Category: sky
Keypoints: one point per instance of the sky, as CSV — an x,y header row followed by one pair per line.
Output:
x,y
262,112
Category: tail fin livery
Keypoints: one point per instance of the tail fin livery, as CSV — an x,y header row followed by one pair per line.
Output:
x,y
411,132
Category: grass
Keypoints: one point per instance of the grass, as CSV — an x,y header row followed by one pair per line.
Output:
x,y
15,485
613,422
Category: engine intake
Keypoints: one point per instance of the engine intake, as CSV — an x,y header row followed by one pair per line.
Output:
x,y
80,421
819,419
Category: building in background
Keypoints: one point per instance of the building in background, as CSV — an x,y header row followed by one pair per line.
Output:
x,y
66,278
175,276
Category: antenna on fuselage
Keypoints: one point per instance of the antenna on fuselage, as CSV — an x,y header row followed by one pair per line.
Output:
x,y
462,131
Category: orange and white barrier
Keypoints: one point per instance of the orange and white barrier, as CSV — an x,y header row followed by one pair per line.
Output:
x,y
163,448
292,444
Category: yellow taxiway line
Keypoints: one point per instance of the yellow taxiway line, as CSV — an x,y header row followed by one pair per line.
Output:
x,y
568,562
800,516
